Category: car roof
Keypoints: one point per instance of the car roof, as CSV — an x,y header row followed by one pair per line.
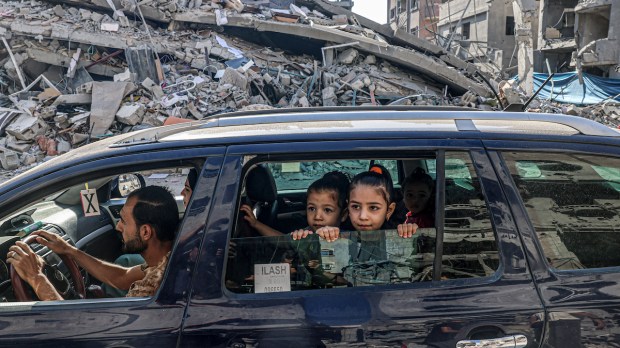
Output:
x,y
281,122
335,122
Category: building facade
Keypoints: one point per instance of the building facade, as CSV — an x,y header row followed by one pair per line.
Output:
x,y
582,35
480,31
418,17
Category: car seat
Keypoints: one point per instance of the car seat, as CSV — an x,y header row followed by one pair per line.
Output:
x,y
262,195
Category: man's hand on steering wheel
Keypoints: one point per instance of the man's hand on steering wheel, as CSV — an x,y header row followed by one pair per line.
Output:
x,y
28,267
55,242
27,263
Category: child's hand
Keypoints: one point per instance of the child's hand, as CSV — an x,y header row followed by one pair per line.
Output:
x,y
328,233
300,234
407,230
249,215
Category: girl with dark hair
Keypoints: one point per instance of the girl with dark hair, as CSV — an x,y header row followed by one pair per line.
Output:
x,y
417,193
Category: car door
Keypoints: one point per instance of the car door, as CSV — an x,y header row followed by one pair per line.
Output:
x,y
117,322
502,306
566,199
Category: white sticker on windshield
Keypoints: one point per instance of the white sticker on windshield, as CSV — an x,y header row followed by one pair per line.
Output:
x,y
90,204
272,277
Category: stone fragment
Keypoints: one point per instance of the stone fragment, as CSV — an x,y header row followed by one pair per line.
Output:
x,y
285,80
348,56
235,78
63,146
370,59
26,127
329,96
110,26
155,89
124,76
340,19
130,114
8,159
58,11
552,33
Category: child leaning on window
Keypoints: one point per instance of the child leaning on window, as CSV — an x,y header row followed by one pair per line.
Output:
x,y
325,206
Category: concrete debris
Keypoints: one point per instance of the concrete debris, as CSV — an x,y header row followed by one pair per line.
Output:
x,y
80,70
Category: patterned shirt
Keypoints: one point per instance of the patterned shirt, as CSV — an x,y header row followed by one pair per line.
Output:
x,y
153,276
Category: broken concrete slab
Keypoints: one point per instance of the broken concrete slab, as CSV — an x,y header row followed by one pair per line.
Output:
x,y
130,114
73,99
104,107
26,127
235,78
8,159
430,66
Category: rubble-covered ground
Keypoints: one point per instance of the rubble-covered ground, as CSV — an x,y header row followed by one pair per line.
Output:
x,y
72,72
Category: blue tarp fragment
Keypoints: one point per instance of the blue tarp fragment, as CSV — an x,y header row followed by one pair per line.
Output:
x,y
566,88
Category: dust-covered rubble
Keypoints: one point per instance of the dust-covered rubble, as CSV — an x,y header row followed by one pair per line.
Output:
x,y
73,72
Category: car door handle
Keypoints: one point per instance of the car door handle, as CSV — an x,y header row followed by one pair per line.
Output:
x,y
516,341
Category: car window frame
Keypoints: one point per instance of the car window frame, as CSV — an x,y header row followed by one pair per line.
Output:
x,y
380,149
538,261
71,175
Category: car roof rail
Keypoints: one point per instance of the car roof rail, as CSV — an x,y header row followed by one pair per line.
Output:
x,y
399,112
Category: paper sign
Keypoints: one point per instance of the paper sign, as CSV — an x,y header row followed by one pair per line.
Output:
x,y
272,277
90,204
293,167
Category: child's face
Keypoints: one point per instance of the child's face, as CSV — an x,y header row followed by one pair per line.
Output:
x,y
416,197
368,209
322,210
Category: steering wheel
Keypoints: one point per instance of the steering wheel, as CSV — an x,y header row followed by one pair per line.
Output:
x,y
19,285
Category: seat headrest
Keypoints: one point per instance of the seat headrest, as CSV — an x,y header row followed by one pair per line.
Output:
x,y
260,185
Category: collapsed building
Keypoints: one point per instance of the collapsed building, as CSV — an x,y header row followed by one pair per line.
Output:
x,y
72,72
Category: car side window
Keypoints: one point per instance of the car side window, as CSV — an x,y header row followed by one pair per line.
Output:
x,y
263,258
573,202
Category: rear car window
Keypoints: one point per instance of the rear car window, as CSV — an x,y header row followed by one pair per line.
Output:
x,y
573,202
263,262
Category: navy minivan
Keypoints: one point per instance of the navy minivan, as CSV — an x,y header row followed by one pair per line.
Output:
x,y
523,249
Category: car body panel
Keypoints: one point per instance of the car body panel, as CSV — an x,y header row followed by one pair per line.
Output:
x,y
426,314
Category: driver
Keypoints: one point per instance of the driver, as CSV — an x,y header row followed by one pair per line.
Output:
x,y
148,224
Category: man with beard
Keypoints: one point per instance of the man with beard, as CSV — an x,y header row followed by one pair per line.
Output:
x,y
148,224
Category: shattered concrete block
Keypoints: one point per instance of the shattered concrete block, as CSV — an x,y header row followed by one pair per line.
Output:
x,y
285,80
26,127
48,93
198,63
96,17
73,99
85,14
235,78
357,85
63,146
8,159
348,57
552,33
62,121
77,138
329,96
130,114
110,26
572,110
370,59
155,89
85,88
124,76
58,11
340,19
28,159
19,146
303,102
46,113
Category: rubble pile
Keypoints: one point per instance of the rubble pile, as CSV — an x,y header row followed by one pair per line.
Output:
x,y
73,72
73,75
